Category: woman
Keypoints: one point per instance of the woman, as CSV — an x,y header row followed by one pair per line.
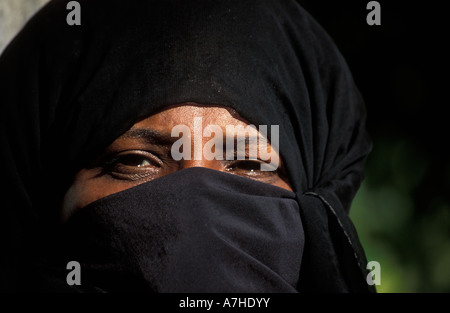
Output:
x,y
94,176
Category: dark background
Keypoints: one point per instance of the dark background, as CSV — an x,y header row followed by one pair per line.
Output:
x,y
402,211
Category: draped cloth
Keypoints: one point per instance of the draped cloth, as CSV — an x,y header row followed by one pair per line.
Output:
x,y
68,91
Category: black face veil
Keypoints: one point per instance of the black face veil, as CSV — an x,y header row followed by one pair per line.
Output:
x,y
69,91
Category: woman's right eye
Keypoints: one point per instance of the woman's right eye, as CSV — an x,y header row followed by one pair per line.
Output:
x,y
135,160
132,165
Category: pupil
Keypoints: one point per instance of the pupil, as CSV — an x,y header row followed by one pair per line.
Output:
x,y
250,166
135,160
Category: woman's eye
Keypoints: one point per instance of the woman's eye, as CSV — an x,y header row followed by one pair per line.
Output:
x,y
135,160
132,165
251,168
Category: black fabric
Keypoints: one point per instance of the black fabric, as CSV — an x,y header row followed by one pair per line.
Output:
x,y
197,230
69,91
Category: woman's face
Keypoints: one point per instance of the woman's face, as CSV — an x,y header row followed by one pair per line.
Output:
x,y
145,152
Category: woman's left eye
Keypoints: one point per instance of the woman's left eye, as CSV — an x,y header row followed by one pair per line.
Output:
x,y
248,167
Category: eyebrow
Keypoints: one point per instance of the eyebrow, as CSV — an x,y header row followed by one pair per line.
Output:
x,y
150,136
158,138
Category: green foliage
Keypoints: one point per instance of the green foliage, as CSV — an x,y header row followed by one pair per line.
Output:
x,y
411,243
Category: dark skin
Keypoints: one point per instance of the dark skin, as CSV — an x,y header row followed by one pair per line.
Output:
x,y
143,154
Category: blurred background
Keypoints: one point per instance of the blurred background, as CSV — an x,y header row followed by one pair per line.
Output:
x,y
402,211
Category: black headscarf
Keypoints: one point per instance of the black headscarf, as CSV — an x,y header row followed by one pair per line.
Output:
x,y
69,91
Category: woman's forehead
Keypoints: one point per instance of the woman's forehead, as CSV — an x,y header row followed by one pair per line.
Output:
x,y
190,115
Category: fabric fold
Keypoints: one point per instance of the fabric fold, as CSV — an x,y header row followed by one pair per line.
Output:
x,y
191,231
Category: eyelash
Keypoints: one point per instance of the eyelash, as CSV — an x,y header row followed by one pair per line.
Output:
x,y
253,169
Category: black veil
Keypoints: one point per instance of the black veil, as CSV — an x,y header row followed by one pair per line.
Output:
x,y
69,91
